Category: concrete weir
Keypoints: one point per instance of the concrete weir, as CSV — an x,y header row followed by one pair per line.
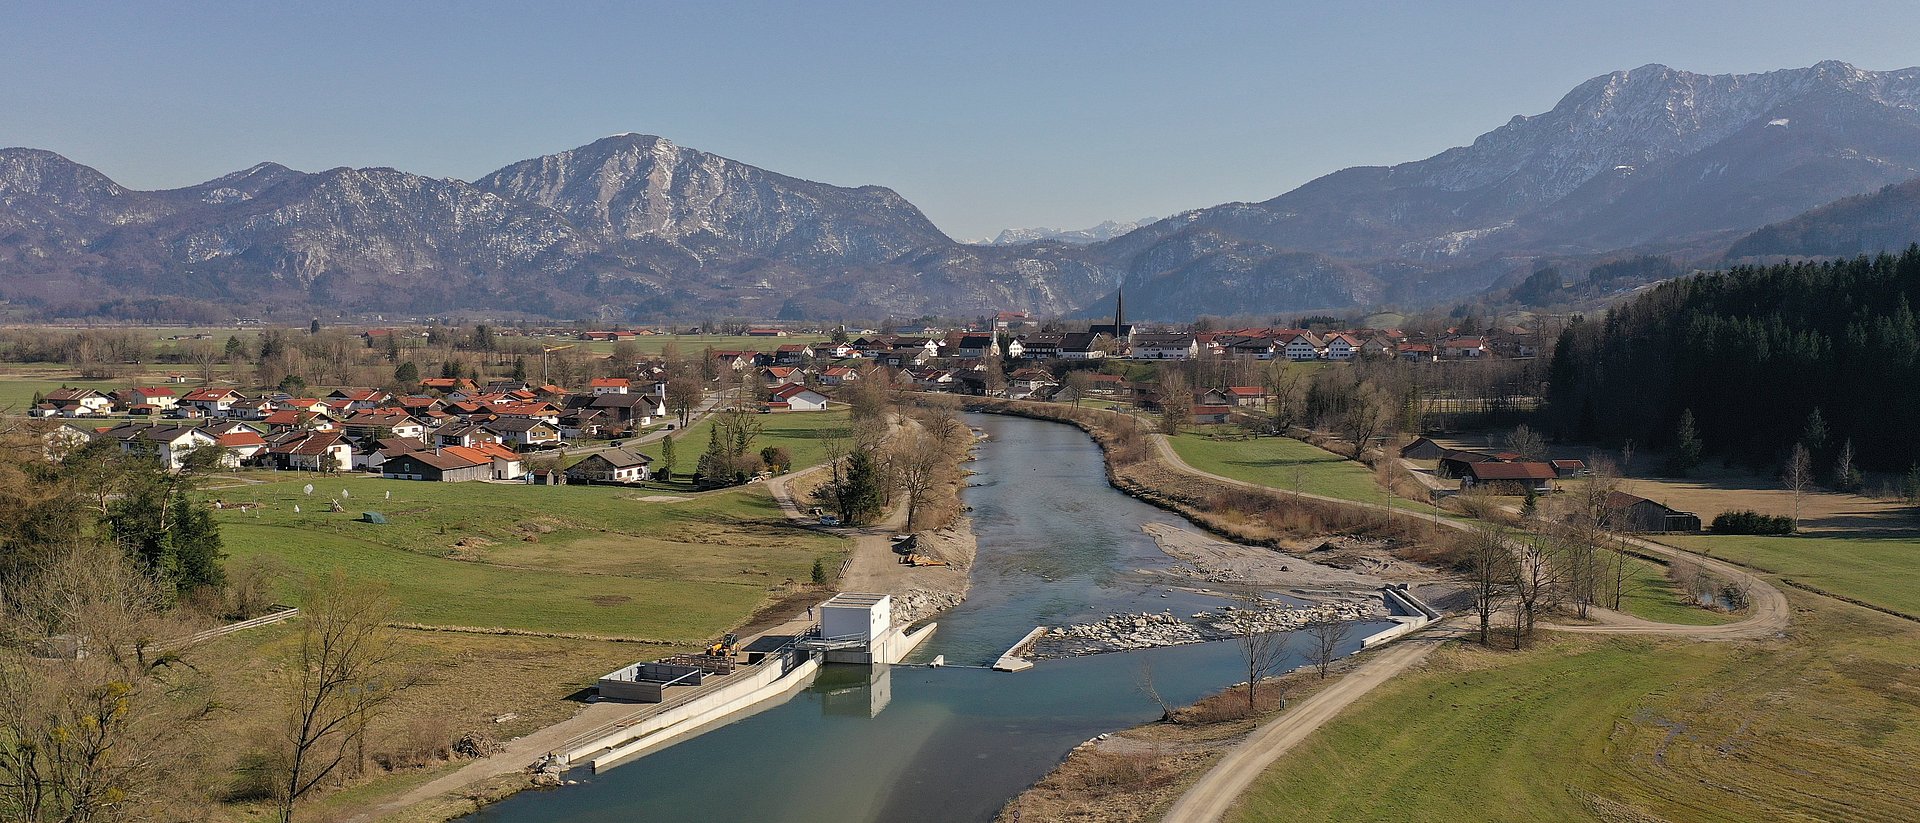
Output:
x,y
1011,660
773,680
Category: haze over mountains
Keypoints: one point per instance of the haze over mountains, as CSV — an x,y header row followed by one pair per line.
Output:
x,y
636,227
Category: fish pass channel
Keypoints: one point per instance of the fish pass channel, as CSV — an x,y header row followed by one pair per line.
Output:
x,y
1057,545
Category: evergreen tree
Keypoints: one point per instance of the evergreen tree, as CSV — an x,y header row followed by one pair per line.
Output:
x,y
1814,434
233,347
314,327
407,375
666,457
1686,446
520,370
1911,488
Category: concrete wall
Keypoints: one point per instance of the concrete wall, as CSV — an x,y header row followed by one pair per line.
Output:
x,y
679,722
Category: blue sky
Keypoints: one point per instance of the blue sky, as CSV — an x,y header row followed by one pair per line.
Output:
x,y
986,115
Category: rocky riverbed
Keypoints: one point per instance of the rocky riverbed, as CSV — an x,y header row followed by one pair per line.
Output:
x,y
1145,630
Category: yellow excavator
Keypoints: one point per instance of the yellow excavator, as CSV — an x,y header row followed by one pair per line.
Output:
x,y
725,648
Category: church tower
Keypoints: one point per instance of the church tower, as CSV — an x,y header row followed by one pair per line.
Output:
x,y
1119,313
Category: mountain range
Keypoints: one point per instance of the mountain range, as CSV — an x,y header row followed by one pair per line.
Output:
x,y
1648,161
1106,230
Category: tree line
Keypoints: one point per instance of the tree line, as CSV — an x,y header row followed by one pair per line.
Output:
x,y
1752,363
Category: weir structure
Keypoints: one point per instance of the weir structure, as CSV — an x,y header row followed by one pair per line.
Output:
x,y
853,628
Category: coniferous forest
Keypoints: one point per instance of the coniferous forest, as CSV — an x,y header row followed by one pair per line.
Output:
x,y
1825,355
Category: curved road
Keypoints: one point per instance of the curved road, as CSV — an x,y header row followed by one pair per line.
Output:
x,y
1209,799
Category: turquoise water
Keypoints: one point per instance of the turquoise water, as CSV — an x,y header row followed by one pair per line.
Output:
x,y
909,743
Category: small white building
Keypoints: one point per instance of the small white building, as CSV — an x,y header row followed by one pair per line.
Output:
x,y
868,618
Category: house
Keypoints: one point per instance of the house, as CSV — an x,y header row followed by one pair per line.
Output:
x,y
251,408
377,423
159,397
1343,346
1247,396
1028,382
1301,346
1632,513
464,434
242,446
792,354
1568,468
287,419
610,385
210,401
321,451
837,375
976,345
371,455
766,332
636,410
1258,347
1084,346
777,376
1165,347
1464,347
507,464
91,401
1423,449
1512,478
611,466
1203,413
1213,397
736,360
1045,346
1415,352
61,440
797,398
359,399
448,385
170,444
534,410
524,432
449,464
587,424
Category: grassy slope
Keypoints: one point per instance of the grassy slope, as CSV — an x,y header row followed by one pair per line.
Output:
x,y
604,561
1825,725
1881,571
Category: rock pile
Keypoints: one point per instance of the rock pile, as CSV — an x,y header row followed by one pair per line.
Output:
x,y
1147,630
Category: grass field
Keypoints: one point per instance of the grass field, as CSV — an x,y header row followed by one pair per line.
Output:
x,y
1825,725
588,559
1281,462
1877,570
692,344
799,433
1652,595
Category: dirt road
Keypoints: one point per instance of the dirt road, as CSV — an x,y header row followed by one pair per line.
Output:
x,y
1209,799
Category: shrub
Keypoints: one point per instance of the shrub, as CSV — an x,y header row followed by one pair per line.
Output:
x,y
1752,522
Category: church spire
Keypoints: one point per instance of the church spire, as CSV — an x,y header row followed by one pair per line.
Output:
x,y
1119,312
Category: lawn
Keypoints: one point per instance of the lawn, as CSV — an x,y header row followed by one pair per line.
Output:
x,y
693,344
1825,725
1878,570
16,393
596,560
1283,462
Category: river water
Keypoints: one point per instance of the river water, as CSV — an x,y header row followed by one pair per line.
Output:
x,y
910,743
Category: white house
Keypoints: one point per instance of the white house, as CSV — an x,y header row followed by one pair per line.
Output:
x,y
797,398
170,444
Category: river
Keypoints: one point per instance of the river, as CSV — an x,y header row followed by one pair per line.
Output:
x,y
1057,544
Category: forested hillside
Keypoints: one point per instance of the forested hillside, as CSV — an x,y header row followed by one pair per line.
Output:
x,y
1752,353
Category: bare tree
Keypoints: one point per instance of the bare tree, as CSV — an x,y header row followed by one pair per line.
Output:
x,y
1143,678
1078,383
1526,442
88,729
1533,578
1261,648
1176,401
683,394
1798,478
1327,636
917,459
345,672
1490,561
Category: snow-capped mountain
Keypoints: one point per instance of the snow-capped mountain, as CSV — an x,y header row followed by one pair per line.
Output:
x,y
1648,158
1653,160
1107,230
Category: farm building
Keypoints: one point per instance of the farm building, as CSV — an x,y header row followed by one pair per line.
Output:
x,y
1511,477
1632,513
450,464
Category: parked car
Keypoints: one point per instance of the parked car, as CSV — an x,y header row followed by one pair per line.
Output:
x,y
829,520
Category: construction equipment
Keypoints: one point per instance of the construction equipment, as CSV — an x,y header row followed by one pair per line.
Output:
x,y
547,350
726,648
916,559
